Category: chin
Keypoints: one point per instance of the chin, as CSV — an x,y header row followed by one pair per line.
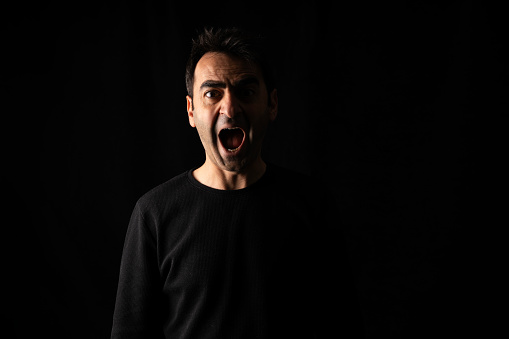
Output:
x,y
234,164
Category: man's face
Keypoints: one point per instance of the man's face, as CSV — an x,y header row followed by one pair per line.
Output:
x,y
230,109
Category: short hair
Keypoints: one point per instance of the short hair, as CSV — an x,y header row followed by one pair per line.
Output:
x,y
232,41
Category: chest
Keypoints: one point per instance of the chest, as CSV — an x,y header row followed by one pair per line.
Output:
x,y
236,245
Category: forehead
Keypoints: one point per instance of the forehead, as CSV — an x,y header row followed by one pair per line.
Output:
x,y
224,67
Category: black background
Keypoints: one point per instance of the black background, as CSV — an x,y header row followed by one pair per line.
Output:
x,y
380,100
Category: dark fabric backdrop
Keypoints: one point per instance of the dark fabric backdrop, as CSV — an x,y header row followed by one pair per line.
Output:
x,y
377,99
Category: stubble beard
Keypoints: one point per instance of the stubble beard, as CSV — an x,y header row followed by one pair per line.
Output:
x,y
240,162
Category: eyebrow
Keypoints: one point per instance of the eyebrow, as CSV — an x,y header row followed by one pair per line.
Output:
x,y
247,81
239,83
212,83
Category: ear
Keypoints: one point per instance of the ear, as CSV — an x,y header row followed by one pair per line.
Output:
x,y
273,105
190,111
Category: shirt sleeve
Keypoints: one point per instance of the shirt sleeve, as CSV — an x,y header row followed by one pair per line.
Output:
x,y
138,311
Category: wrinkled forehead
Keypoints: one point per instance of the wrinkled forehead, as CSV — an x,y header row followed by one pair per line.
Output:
x,y
225,68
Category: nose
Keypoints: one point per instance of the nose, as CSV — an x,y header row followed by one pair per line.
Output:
x,y
230,106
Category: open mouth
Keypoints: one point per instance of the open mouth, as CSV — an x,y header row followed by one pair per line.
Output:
x,y
232,138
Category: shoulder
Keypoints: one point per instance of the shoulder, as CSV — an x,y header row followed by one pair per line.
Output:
x,y
286,177
311,192
165,194
296,182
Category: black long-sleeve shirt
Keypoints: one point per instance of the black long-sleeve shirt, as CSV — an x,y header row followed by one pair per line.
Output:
x,y
266,261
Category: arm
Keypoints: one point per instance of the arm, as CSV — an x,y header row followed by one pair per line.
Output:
x,y
138,310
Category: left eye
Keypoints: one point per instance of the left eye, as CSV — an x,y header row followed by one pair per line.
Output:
x,y
247,92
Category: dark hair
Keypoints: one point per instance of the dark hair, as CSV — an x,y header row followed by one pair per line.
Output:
x,y
232,41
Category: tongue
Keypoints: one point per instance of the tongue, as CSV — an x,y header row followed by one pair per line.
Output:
x,y
232,138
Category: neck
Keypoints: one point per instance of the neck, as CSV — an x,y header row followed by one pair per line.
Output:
x,y
211,175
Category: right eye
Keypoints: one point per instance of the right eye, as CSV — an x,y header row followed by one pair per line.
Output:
x,y
212,94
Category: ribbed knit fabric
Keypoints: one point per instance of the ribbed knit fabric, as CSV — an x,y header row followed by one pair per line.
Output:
x,y
259,262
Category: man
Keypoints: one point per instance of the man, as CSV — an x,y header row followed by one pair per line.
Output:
x,y
235,248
